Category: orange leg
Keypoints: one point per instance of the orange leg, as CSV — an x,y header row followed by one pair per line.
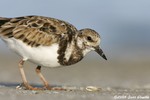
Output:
x,y
38,71
25,82
46,85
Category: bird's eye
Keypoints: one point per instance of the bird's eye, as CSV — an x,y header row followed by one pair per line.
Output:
x,y
89,38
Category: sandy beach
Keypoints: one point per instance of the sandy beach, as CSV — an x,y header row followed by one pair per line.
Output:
x,y
115,80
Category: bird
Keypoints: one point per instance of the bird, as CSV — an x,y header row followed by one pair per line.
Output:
x,y
47,42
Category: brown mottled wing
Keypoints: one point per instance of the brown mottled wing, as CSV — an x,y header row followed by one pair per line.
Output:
x,y
36,30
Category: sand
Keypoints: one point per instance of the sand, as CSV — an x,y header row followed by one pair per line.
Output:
x,y
115,80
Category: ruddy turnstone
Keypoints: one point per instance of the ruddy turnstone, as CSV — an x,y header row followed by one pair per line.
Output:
x,y
47,42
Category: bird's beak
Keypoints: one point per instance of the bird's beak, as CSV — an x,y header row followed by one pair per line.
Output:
x,y
100,52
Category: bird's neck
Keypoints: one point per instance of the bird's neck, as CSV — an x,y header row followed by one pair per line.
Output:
x,y
82,46
70,53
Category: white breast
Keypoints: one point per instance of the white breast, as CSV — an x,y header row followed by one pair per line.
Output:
x,y
42,55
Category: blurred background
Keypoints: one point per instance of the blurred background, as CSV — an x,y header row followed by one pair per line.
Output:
x,y
124,26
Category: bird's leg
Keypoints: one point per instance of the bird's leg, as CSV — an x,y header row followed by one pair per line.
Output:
x,y
25,82
38,71
46,85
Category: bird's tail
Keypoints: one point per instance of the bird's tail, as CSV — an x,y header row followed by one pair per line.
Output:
x,y
3,20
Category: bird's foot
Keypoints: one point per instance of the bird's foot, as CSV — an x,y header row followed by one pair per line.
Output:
x,y
54,88
29,87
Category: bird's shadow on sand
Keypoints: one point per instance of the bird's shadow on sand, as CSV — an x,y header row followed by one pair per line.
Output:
x,y
14,85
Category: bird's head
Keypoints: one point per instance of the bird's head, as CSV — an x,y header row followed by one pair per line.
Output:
x,y
89,40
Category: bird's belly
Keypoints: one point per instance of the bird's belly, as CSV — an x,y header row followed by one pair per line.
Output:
x,y
42,55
